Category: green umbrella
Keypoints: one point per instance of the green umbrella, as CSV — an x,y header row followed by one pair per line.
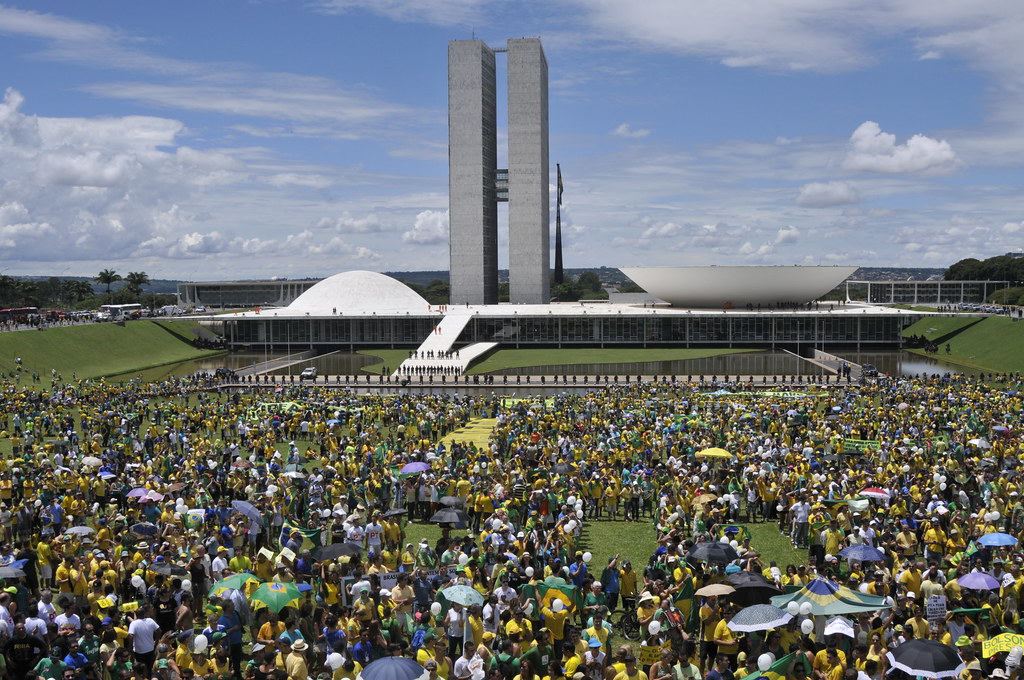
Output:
x,y
233,582
276,596
463,595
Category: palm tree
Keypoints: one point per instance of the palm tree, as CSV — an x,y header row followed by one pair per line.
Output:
x,y
107,277
135,281
74,290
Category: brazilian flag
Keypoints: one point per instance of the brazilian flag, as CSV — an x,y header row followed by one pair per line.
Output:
x,y
311,538
777,671
554,588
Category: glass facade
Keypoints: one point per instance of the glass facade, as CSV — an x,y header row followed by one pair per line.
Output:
x,y
644,330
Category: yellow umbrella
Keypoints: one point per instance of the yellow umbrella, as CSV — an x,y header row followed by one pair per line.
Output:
x,y
714,453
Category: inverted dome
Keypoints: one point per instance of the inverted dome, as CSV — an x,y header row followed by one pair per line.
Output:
x,y
715,287
358,292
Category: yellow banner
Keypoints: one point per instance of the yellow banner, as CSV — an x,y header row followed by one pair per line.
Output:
x,y
649,655
1001,643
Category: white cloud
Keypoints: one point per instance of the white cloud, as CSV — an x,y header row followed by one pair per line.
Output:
x,y
440,12
625,130
347,224
787,234
871,150
826,194
665,230
431,226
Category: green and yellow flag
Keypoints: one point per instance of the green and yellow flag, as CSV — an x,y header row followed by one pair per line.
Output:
x,y
311,538
777,671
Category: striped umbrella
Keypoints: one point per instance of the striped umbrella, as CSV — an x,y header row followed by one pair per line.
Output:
x,y
758,617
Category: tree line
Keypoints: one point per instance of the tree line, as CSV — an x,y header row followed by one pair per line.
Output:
x,y
77,292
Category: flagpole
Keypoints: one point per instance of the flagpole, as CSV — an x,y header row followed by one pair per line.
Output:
x,y
559,276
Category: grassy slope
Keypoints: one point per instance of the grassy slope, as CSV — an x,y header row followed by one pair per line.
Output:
x,y
991,345
95,350
519,358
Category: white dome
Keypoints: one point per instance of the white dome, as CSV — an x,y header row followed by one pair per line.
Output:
x,y
358,292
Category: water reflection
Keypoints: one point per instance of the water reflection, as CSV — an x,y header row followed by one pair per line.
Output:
x,y
769,362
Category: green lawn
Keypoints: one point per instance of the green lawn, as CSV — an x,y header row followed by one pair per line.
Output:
x,y
391,358
521,358
993,344
97,350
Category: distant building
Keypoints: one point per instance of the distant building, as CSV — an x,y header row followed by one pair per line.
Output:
x,y
242,294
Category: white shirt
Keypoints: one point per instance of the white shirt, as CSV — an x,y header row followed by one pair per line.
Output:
x,y
143,632
374,534
72,620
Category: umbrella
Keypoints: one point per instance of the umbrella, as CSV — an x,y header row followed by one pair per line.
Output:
x,y
862,553
177,486
294,475
759,617
463,595
242,463
167,569
393,668
80,531
926,658
713,551
978,580
233,582
336,550
715,589
276,596
92,461
704,498
875,492
153,496
414,468
248,509
751,588
145,529
839,625
714,453
11,572
395,512
997,538
450,516
137,492
980,443
450,500
562,469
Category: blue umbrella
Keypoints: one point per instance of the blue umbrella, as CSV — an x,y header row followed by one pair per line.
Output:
x,y
393,668
862,553
145,529
413,468
997,538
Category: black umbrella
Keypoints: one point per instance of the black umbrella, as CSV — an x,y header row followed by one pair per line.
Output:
x,y
561,469
926,658
395,512
167,569
336,550
11,572
751,588
450,500
450,516
713,551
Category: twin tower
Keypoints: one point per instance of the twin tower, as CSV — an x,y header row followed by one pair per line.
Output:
x,y
476,184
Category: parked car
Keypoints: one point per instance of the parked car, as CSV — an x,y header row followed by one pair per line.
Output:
x,y
308,374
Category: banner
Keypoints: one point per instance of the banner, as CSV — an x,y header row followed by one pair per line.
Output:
x,y
1001,643
860,445
777,671
936,608
649,655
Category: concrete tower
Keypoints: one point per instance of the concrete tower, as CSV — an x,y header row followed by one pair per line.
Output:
x,y
529,241
472,160
477,185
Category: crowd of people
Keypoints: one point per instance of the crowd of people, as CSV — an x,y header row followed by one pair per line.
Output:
x,y
185,530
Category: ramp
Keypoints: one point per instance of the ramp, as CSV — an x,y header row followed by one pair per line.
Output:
x,y
435,355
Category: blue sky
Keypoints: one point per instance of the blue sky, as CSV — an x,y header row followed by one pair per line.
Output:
x,y
231,139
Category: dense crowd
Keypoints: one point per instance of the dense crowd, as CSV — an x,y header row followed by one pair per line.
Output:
x,y
182,530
